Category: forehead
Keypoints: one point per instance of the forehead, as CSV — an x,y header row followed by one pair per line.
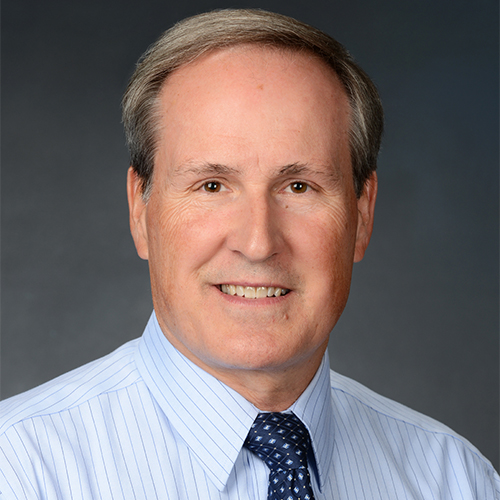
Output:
x,y
250,96
239,64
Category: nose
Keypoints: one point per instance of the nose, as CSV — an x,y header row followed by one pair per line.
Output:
x,y
255,229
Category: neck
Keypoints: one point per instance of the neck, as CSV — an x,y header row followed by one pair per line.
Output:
x,y
272,386
273,389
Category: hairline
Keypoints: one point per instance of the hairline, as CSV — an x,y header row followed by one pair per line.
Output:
x,y
225,29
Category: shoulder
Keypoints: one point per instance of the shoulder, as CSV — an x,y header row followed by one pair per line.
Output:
x,y
413,440
355,395
110,373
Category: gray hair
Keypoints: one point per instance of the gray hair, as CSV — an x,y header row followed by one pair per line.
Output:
x,y
198,35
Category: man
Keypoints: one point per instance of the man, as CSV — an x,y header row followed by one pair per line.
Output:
x,y
253,143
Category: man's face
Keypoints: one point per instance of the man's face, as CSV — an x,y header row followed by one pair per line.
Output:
x,y
252,193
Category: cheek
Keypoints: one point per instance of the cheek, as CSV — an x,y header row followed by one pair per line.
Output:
x,y
181,236
331,261
328,239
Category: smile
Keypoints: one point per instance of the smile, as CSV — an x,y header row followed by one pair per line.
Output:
x,y
253,292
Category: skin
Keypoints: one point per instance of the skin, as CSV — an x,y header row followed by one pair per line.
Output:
x,y
252,186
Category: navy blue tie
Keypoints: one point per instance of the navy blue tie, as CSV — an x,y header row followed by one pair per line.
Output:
x,y
282,441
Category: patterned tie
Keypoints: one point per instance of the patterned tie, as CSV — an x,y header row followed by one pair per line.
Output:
x,y
282,441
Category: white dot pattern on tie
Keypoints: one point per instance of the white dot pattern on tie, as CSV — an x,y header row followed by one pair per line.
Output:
x,y
281,440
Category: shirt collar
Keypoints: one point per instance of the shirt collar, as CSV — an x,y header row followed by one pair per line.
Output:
x,y
314,408
213,419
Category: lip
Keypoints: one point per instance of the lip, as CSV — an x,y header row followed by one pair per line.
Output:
x,y
255,285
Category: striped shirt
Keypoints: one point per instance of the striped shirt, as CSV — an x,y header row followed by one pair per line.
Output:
x,y
146,423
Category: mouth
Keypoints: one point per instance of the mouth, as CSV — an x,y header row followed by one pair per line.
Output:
x,y
253,292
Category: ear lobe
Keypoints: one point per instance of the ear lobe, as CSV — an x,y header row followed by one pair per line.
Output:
x,y
137,213
366,210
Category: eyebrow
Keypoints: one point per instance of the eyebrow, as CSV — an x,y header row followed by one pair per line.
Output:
x,y
293,169
196,168
296,169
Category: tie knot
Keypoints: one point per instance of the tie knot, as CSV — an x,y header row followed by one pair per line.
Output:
x,y
280,439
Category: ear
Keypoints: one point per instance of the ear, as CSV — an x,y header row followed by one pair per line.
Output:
x,y
137,213
366,210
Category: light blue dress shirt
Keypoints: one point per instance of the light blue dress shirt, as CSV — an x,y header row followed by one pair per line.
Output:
x,y
146,423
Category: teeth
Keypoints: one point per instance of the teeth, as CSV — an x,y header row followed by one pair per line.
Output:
x,y
250,292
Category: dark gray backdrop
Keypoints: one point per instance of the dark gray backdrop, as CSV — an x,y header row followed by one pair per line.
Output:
x,y
421,325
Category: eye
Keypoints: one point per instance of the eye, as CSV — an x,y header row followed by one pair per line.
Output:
x,y
212,186
299,187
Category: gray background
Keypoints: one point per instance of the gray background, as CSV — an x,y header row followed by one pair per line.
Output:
x,y
421,325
